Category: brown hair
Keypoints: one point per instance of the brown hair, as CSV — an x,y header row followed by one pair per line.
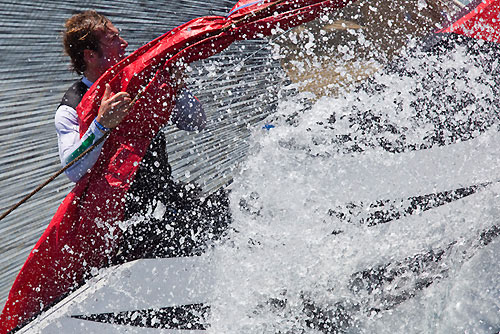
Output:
x,y
82,33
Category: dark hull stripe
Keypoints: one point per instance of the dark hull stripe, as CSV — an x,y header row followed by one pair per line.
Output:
x,y
186,317
386,286
384,211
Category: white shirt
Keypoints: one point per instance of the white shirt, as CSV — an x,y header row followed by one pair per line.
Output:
x,y
188,114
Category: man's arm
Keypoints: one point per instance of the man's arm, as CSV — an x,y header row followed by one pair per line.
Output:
x,y
188,113
70,144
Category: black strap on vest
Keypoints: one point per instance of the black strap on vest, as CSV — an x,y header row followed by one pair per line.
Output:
x,y
74,95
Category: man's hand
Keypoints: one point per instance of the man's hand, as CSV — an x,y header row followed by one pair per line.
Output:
x,y
114,108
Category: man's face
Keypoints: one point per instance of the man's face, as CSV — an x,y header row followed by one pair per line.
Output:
x,y
112,47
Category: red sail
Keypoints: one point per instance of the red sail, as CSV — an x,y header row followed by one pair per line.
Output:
x,y
84,232
483,22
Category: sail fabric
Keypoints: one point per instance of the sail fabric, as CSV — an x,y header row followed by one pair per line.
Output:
x,y
482,22
84,231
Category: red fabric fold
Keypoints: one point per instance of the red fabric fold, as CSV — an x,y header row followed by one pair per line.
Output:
x,y
482,22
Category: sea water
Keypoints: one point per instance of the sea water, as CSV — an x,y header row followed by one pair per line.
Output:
x,y
301,242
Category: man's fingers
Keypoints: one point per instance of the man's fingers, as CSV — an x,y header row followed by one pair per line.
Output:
x,y
107,92
122,96
108,95
125,99
121,105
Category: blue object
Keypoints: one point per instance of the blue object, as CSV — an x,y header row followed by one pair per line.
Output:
x,y
244,6
100,126
268,127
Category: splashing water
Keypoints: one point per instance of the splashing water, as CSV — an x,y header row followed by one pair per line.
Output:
x,y
372,212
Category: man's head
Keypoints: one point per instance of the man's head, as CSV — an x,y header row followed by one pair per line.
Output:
x,y
93,43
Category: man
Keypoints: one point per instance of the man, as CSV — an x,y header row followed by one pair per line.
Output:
x,y
94,45
126,176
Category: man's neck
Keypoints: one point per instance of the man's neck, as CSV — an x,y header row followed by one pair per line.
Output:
x,y
92,75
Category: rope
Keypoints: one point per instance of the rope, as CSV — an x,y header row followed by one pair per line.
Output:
x,y
59,172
